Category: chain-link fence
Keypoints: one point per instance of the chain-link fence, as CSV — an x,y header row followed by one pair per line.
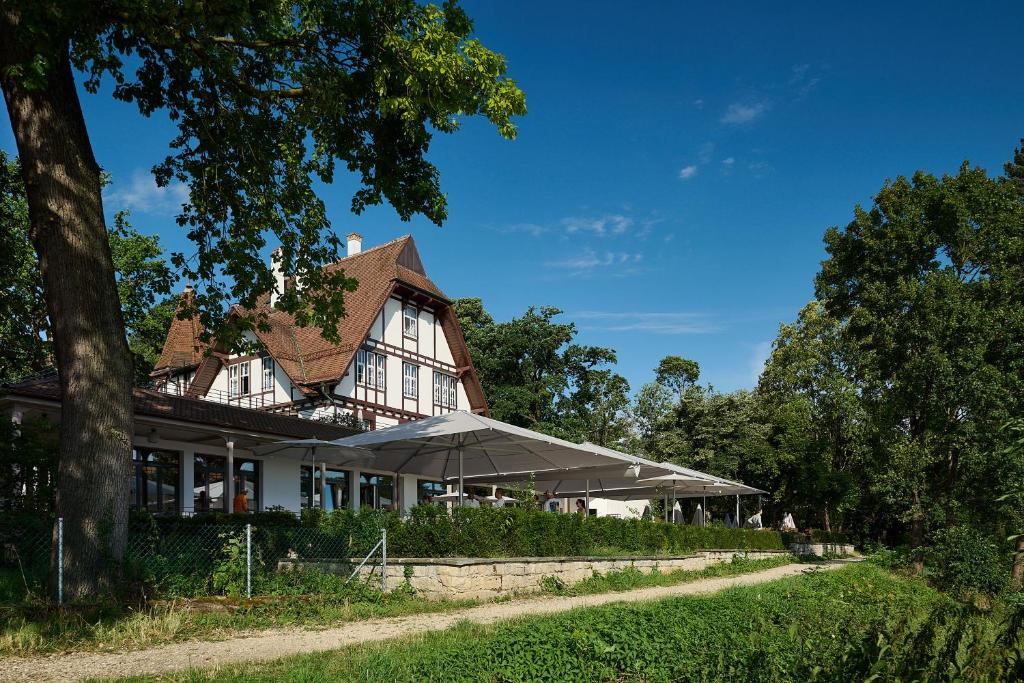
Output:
x,y
186,559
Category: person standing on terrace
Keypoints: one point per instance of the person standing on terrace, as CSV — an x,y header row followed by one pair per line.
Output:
x,y
550,503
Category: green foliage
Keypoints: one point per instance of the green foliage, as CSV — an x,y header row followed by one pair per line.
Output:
x,y
268,98
144,281
536,376
25,346
964,561
798,629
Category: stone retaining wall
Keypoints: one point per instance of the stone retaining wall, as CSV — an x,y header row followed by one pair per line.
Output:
x,y
477,578
821,549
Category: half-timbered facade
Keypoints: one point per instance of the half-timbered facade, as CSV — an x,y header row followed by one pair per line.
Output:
x,y
401,356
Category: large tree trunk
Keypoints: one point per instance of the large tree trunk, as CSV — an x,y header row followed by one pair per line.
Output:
x,y
62,180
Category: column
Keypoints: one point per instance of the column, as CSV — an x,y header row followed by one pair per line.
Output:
x,y
323,485
410,486
186,481
353,490
229,478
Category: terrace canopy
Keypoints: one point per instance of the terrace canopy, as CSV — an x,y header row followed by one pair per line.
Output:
x,y
460,444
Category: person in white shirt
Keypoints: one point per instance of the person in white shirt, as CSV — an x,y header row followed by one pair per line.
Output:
x,y
469,500
787,522
754,521
499,498
549,503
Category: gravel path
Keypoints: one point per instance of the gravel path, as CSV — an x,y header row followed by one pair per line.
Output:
x,y
277,643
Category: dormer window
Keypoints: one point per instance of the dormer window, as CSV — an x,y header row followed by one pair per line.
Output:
x,y
410,319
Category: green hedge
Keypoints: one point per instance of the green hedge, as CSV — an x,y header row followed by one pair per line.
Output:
x,y
815,536
515,532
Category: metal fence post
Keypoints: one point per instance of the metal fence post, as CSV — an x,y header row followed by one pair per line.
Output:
x,y
60,560
384,561
248,560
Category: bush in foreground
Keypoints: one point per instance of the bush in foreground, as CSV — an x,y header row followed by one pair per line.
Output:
x,y
858,623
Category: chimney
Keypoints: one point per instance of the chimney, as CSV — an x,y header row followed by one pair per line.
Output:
x,y
278,271
355,243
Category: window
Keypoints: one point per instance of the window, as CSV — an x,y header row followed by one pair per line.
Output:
x,y
445,390
232,381
155,485
268,373
410,380
375,491
335,488
208,480
243,379
429,488
370,369
247,480
409,320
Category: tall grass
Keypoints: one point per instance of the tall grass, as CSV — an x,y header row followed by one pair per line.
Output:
x,y
808,628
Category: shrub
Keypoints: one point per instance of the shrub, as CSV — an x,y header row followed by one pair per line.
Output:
x,y
965,561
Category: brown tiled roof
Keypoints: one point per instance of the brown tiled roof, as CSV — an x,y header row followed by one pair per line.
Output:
x,y
183,348
309,359
155,404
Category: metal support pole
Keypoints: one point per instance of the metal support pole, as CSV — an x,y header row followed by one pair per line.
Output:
x,y
60,560
383,560
248,560
737,520
229,479
704,517
588,498
462,492
323,485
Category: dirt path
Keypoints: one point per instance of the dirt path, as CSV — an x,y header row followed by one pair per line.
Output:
x,y
274,644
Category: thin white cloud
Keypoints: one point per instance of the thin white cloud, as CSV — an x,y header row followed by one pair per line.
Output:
x,y
761,353
728,161
590,260
738,113
707,151
760,169
141,193
682,322
531,229
803,81
687,172
611,224
699,103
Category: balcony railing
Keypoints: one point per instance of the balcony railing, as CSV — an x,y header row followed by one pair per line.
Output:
x,y
254,401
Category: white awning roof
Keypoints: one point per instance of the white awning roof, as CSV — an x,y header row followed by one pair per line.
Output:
x,y
431,448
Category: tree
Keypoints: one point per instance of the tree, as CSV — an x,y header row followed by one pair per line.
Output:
x,y
677,373
25,346
818,420
267,98
1014,169
534,375
928,285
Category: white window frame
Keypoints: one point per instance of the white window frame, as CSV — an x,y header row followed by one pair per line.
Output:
x,y
410,321
232,381
268,373
244,385
410,380
381,374
446,390
370,369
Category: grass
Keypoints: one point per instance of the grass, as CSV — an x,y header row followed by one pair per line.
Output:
x,y
34,631
793,629
28,630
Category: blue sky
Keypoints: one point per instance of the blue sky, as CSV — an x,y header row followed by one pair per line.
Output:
x,y
672,181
